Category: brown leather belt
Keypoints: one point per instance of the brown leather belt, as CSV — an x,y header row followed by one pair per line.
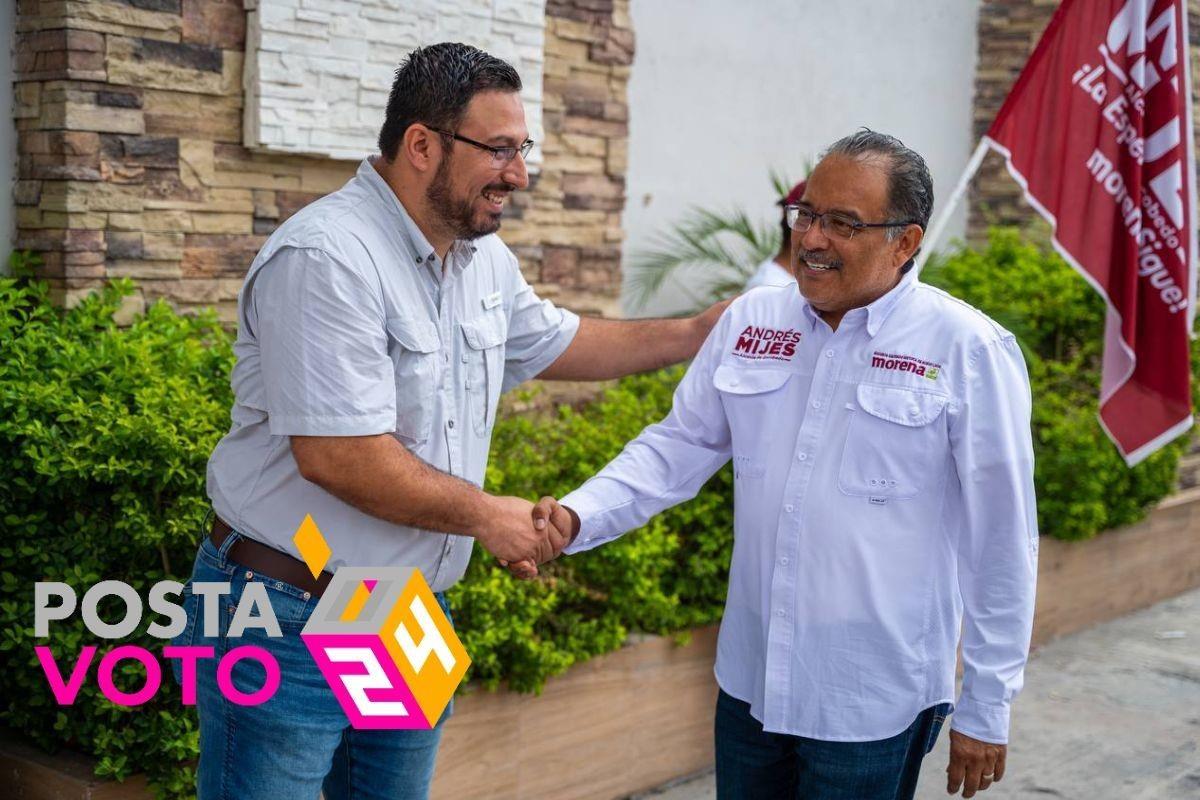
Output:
x,y
269,563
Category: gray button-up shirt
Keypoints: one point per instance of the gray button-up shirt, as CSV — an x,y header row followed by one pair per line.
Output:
x,y
350,325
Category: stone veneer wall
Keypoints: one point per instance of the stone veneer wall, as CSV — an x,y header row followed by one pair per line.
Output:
x,y
1008,32
318,72
131,162
571,221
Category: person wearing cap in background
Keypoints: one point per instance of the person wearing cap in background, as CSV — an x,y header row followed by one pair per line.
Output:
x,y
777,270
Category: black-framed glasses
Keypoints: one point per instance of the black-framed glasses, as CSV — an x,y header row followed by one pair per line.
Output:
x,y
501,156
800,219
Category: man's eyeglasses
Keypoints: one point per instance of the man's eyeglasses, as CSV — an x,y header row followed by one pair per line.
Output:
x,y
501,156
800,219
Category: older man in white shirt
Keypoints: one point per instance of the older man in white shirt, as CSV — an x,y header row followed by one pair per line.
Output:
x,y
883,472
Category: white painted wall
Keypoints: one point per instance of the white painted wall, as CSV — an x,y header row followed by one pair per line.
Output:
x,y
318,72
8,132
722,92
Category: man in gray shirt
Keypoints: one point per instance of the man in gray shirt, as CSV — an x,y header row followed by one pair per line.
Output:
x,y
377,329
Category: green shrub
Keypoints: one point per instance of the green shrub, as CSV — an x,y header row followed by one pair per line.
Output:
x,y
104,436
1083,485
105,433
667,577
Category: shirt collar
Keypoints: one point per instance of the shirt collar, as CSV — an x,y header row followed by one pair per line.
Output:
x,y
421,250
878,311
881,309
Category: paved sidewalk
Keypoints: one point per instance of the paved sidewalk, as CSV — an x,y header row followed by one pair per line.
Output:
x,y
1111,713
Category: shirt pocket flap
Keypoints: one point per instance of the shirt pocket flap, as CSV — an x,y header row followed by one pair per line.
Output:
x,y
900,405
748,381
486,331
414,335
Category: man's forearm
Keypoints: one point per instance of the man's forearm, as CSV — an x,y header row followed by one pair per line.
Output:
x,y
378,476
605,348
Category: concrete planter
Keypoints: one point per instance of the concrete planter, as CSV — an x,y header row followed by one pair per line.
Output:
x,y
641,716
1082,583
627,721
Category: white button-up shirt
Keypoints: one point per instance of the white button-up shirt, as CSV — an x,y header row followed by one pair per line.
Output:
x,y
883,496
350,325
769,273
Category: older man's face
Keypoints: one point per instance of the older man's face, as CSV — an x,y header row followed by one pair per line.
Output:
x,y
837,274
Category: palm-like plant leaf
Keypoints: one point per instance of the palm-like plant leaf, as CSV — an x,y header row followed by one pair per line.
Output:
x,y
781,185
722,249
714,254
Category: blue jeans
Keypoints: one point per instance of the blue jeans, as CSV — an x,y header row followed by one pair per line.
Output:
x,y
753,764
299,742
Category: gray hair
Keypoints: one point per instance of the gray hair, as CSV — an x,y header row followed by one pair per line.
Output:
x,y
910,187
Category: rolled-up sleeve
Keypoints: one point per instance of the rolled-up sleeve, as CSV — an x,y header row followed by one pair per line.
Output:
x,y
997,548
538,332
321,332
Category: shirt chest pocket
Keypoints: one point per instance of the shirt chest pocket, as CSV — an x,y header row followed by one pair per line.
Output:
x,y
483,364
753,403
895,444
413,346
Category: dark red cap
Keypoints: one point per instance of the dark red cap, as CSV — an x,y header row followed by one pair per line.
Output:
x,y
794,195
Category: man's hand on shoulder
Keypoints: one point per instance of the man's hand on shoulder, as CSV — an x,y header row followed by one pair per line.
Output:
x,y
706,319
604,349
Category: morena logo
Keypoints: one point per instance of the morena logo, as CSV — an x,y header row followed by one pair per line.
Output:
x,y
899,363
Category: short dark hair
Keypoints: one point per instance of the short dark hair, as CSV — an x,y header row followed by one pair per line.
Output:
x,y
910,187
433,86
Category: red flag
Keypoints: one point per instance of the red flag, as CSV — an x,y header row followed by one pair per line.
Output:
x,y
1098,132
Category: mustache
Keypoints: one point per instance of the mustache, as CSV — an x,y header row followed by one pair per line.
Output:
x,y
500,187
814,257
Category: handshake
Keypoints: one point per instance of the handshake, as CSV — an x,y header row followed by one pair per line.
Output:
x,y
521,534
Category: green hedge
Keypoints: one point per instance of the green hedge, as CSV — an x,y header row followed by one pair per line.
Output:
x,y
104,437
105,432
1083,485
